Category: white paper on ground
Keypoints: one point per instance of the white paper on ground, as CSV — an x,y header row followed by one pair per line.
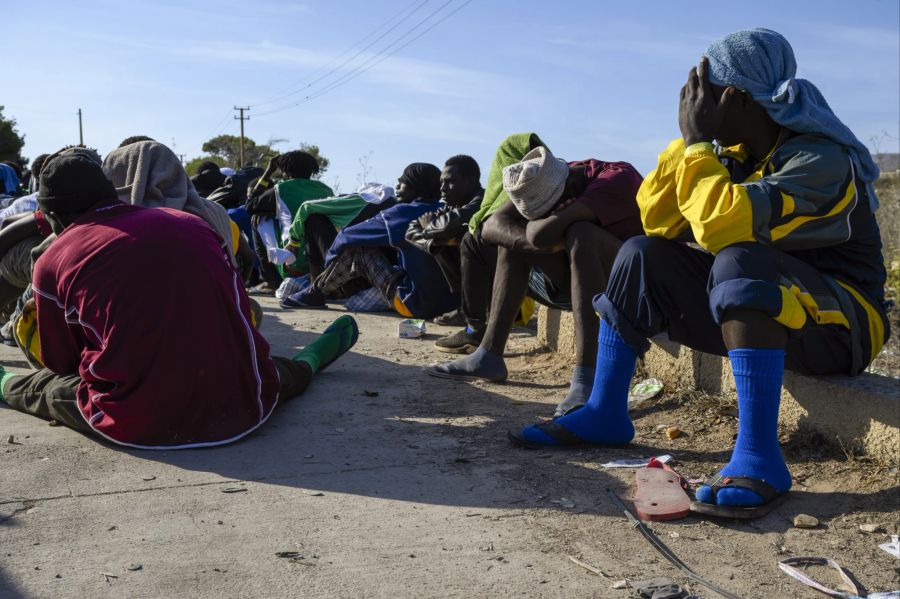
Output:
x,y
893,547
644,391
635,462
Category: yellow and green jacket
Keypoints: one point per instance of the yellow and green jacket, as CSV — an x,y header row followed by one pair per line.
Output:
x,y
802,198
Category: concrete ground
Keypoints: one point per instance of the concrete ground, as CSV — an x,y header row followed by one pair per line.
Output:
x,y
378,482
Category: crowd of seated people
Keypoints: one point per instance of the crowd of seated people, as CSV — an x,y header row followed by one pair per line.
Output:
x,y
763,248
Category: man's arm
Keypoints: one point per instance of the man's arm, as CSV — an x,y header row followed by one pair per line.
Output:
x,y
19,230
550,231
506,228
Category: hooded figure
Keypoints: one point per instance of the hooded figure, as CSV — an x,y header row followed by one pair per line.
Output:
x,y
147,173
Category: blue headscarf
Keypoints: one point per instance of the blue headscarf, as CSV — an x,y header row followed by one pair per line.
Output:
x,y
761,62
9,181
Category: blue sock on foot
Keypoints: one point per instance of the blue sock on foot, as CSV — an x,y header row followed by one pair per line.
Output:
x,y
579,390
604,418
757,375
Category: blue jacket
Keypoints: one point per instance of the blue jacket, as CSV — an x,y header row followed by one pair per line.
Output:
x,y
422,288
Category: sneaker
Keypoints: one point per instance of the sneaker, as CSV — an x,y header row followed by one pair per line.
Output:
x,y
307,298
454,318
462,342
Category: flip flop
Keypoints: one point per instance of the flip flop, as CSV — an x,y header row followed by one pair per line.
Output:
x,y
659,495
565,438
433,371
771,498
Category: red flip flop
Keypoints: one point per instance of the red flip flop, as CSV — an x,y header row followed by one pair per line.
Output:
x,y
660,495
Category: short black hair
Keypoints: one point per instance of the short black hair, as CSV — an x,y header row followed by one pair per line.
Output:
x,y
467,166
37,164
298,164
134,139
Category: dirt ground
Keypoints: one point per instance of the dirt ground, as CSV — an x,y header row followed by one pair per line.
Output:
x,y
383,482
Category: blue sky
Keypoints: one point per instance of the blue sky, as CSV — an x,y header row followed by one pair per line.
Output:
x,y
594,78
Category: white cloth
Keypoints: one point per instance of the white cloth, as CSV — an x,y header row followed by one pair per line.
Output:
x,y
376,193
24,204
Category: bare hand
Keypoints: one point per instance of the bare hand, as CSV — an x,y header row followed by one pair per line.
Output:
x,y
700,112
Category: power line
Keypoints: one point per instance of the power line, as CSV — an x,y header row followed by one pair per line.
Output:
x,y
220,125
375,60
352,76
290,90
375,56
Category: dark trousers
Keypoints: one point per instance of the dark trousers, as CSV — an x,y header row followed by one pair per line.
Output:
x,y
449,259
658,285
51,396
478,261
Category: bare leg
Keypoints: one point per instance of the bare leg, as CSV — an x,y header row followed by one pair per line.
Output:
x,y
591,251
510,285
743,328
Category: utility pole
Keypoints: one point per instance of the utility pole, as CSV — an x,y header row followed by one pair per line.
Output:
x,y
180,158
242,118
80,130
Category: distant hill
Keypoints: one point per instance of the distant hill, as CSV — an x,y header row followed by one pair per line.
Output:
x,y
887,162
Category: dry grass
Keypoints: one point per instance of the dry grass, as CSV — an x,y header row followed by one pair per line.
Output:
x,y
888,188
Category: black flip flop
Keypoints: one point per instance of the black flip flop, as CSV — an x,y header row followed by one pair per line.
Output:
x,y
771,498
566,439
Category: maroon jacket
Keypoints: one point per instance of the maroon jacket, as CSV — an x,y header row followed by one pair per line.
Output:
x,y
144,305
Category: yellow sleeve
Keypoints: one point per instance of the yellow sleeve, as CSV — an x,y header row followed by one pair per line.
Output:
x,y
720,212
656,197
235,235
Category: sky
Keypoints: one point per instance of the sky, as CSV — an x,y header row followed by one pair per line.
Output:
x,y
379,84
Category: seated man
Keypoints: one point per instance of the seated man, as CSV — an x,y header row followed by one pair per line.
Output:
x,y
317,223
164,357
273,208
557,238
439,233
375,253
791,274
478,258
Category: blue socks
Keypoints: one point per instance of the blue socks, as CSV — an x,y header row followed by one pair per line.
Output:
x,y
604,418
757,454
579,390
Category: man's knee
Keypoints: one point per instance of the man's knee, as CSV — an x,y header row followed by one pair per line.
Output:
x,y
592,241
743,261
580,234
648,251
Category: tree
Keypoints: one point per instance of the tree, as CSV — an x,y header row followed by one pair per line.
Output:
x,y
11,142
225,150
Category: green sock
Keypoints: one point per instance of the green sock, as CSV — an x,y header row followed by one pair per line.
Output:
x,y
4,377
334,342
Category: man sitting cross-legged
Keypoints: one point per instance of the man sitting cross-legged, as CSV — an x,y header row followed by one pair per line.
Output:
x,y
791,276
557,238
144,325
375,253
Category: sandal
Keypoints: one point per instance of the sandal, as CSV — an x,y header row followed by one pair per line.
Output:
x,y
771,498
